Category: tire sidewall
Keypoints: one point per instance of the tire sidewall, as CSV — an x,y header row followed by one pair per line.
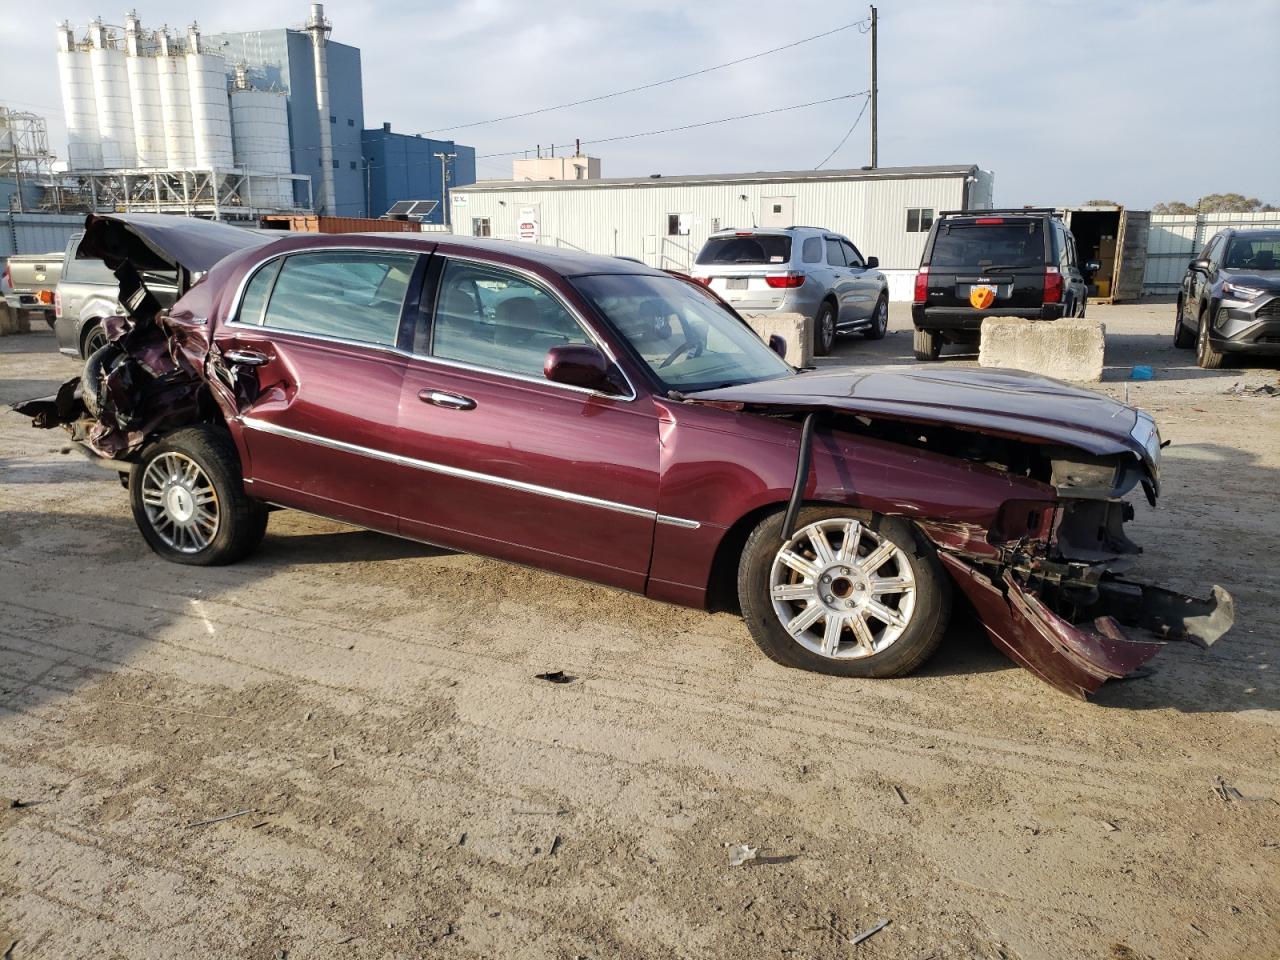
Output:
x,y
916,644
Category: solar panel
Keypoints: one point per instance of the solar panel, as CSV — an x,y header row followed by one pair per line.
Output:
x,y
423,208
400,208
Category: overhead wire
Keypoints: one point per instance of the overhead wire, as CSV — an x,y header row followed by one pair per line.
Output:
x,y
656,83
848,133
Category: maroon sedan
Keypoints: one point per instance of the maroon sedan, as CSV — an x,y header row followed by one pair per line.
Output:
x,y
595,417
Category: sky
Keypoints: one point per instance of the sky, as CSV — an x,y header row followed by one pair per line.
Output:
x,y
1130,101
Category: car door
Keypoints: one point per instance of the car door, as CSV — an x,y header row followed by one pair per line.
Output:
x,y
1201,278
501,461
841,281
317,332
864,283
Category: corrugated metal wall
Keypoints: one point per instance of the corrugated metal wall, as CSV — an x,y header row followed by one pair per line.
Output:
x,y
37,232
631,221
1176,239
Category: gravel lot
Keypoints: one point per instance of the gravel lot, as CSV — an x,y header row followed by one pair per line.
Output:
x,y
412,790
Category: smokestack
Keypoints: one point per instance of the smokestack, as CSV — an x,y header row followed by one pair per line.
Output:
x,y
319,29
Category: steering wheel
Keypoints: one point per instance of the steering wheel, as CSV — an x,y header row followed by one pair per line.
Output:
x,y
689,345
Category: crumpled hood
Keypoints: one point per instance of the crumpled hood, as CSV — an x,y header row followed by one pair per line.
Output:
x,y
1011,403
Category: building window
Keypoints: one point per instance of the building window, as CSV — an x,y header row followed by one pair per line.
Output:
x,y
332,118
480,227
919,219
335,164
353,164
351,121
677,224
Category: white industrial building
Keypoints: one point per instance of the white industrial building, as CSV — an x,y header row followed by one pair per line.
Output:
x,y
664,221
152,124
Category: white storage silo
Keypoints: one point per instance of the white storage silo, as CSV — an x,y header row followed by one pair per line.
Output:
x,y
144,89
175,105
210,109
79,105
115,109
260,131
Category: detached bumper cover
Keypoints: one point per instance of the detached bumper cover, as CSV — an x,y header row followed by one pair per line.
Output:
x,y
1079,658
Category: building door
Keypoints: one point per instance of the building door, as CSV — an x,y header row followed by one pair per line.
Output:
x,y
777,211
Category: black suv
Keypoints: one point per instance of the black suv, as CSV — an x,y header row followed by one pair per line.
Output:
x,y
1230,297
994,263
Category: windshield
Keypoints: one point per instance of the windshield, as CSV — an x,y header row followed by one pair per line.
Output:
x,y
686,337
989,244
1254,253
756,248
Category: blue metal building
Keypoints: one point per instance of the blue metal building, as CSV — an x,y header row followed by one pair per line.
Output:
x,y
402,166
283,60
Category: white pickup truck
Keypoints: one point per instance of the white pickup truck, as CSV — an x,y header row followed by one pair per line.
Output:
x,y
29,280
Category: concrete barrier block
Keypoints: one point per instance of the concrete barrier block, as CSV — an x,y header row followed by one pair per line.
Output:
x,y
13,321
795,328
1068,349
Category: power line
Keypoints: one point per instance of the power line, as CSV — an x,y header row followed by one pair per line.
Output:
x,y
687,126
656,83
848,133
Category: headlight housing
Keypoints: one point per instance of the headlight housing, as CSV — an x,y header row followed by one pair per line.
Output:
x,y
1237,291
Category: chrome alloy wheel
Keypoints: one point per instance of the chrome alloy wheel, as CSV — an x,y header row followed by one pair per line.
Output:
x,y
882,315
854,582
181,504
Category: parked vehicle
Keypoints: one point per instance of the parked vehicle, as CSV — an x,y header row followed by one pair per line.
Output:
x,y
994,263
603,419
28,281
803,270
87,294
1230,298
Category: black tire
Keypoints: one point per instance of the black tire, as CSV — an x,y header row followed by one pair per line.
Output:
x,y
824,330
879,319
241,520
926,344
1208,356
93,339
1182,337
100,363
918,640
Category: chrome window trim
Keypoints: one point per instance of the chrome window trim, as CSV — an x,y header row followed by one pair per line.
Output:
x,y
578,318
231,321
264,426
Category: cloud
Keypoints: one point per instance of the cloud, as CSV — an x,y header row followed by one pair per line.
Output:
x,y
1065,101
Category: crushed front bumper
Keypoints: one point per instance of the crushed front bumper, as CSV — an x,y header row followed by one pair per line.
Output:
x,y
1133,623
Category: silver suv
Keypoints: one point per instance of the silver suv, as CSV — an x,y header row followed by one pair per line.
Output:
x,y
803,270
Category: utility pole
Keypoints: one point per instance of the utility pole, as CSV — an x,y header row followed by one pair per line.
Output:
x,y
875,128
444,183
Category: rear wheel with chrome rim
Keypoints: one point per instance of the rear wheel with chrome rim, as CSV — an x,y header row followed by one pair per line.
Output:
x,y
849,593
95,339
188,499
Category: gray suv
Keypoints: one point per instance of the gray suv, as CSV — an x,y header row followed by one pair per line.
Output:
x,y
804,270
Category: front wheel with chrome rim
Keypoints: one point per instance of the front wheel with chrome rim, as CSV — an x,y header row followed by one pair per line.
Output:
x,y
824,329
879,319
189,502
849,593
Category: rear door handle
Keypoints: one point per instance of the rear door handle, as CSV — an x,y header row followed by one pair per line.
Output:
x,y
451,401
245,358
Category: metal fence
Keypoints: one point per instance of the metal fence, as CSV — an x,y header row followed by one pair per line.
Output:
x,y
1175,239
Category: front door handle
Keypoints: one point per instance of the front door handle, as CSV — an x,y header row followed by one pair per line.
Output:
x,y
245,358
451,401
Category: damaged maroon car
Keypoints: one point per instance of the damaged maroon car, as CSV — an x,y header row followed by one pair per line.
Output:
x,y
602,419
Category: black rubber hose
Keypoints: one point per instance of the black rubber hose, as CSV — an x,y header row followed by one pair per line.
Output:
x,y
803,459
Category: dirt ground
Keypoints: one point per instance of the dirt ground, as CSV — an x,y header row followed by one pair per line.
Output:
x,y
405,787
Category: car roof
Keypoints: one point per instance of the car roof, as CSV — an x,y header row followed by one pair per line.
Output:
x,y
558,260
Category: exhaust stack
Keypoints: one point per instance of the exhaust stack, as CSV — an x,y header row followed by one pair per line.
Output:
x,y
319,29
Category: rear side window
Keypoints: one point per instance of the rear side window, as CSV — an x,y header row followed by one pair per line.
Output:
x,y
1017,244
757,248
344,294
812,250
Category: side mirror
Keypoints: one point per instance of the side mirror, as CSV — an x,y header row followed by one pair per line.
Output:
x,y
579,365
1199,265
873,262
1092,266
778,344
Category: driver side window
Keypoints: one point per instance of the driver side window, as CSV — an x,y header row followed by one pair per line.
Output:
x,y
490,318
